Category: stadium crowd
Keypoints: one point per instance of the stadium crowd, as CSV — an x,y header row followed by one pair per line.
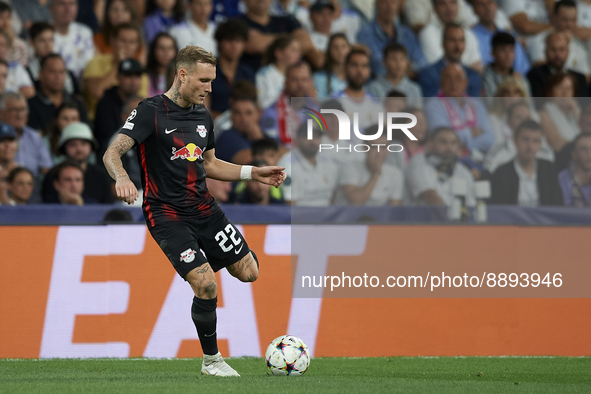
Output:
x,y
499,90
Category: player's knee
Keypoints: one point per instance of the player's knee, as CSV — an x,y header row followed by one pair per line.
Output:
x,y
208,288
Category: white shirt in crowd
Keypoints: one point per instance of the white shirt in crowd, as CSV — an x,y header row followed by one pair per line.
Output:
x,y
420,12
269,82
319,40
312,185
577,54
534,9
583,13
17,78
505,151
76,47
389,186
431,40
348,23
528,195
420,176
567,126
188,33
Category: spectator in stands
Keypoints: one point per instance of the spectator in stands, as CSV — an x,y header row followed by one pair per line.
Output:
x,y
332,77
78,144
240,89
314,177
429,175
263,29
17,79
51,94
528,17
257,193
20,188
159,68
108,110
73,40
345,20
270,79
32,152
575,181
118,12
396,63
383,31
526,180
453,47
557,52
30,11
162,15
503,53
510,91
487,29
17,47
434,33
234,145
8,149
321,16
564,21
64,115
198,29
3,75
564,157
231,38
282,116
374,182
266,149
560,113
418,13
467,116
101,72
219,190
68,183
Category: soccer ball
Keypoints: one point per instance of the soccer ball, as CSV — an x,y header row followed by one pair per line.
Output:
x,y
287,355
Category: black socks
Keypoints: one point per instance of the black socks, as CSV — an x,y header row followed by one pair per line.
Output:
x,y
205,319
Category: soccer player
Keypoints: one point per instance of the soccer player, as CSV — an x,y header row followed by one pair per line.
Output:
x,y
173,133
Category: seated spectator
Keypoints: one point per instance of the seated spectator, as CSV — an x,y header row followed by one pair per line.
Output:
x,y
510,91
231,38
564,157
564,21
234,145
64,115
429,175
32,152
17,48
396,63
108,111
345,20
281,117
485,31
257,193
560,113
313,177
8,149
118,12
528,17
263,30
418,13
101,72
17,79
503,53
557,52
20,186
241,89
575,181
453,47
504,148
321,15
162,15
434,33
51,94
31,11
78,144
465,115
270,79
219,190
68,182
73,40
526,180
332,77
41,36
375,182
160,70
267,150
198,29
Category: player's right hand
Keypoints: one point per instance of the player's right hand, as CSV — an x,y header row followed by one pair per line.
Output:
x,y
126,190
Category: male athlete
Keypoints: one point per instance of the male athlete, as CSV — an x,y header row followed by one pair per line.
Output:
x,y
175,141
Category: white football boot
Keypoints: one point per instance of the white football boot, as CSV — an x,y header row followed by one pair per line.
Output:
x,y
216,366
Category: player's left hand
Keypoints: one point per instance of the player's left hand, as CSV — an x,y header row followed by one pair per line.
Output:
x,y
270,175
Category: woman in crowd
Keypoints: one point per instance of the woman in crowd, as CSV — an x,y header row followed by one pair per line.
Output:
x,y
161,15
161,54
332,78
560,113
118,13
65,114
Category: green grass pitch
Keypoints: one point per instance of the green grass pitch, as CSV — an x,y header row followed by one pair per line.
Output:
x,y
326,375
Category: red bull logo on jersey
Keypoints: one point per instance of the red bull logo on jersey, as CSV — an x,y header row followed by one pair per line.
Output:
x,y
189,152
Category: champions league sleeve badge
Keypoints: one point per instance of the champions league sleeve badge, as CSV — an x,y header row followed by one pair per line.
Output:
x,y
202,131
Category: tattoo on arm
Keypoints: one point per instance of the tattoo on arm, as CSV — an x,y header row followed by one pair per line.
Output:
x,y
112,158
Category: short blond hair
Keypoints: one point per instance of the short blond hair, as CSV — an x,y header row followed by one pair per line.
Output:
x,y
189,56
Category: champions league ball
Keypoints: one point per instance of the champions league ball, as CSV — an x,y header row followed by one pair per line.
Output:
x,y
287,355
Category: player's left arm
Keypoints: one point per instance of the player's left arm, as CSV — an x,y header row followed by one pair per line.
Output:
x,y
224,171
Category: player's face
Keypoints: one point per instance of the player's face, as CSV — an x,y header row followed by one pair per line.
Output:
x,y
528,143
197,84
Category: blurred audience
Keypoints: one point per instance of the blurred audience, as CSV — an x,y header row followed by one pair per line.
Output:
x,y
64,115
332,77
17,78
68,183
196,30
17,47
575,181
159,68
162,15
20,185
118,12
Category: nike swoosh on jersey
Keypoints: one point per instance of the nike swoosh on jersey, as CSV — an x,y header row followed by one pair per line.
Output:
x,y
169,131
238,251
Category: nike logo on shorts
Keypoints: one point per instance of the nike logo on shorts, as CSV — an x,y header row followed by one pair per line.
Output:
x,y
238,250
169,131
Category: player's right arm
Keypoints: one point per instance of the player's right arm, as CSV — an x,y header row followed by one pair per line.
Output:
x,y
124,187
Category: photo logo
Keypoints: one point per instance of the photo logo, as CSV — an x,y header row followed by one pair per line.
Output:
x,y
315,117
